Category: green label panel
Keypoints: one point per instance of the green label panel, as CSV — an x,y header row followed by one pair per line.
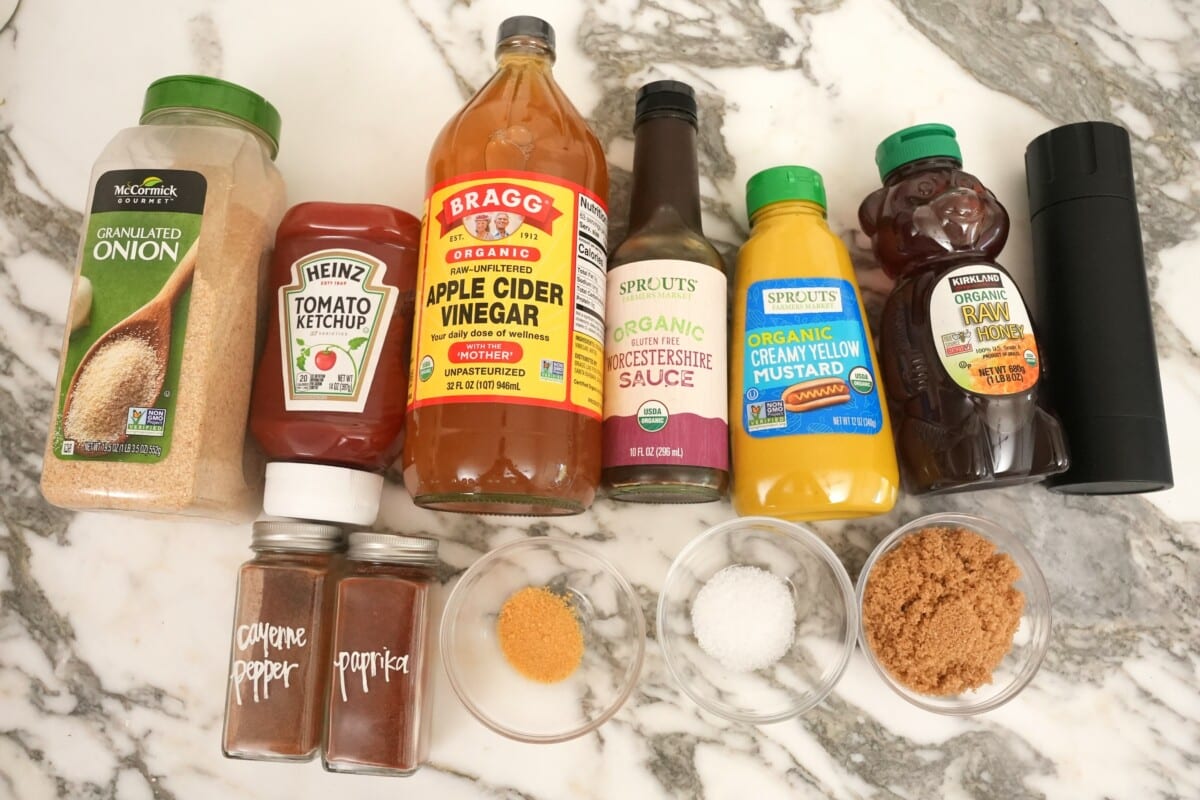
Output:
x,y
120,384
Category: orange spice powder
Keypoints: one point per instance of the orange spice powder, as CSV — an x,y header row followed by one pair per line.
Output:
x,y
540,635
940,610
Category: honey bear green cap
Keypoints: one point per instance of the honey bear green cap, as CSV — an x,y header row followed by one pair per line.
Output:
x,y
784,183
213,94
912,144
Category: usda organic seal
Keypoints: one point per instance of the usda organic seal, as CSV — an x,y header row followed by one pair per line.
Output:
x,y
425,371
652,416
860,380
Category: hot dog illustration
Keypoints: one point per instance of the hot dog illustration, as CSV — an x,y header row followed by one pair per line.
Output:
x,y
820,393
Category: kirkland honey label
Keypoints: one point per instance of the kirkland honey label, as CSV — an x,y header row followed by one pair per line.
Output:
x,y
510,296
981,331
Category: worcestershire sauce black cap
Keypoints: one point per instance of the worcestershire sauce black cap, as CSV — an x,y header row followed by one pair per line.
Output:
x,y
526,26
1095,325
665,99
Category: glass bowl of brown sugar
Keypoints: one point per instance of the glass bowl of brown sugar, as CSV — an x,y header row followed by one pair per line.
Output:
x,y
543,640
954,613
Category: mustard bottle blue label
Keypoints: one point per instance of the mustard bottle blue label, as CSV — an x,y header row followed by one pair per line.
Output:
x,y
807,366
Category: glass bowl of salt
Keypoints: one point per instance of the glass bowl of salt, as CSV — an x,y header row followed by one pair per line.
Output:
x,y
757,620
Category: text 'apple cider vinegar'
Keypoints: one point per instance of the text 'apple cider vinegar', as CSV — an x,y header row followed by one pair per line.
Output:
x,y
504,405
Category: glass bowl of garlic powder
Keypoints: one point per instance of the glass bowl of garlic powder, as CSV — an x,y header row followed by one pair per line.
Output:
x,y
757,620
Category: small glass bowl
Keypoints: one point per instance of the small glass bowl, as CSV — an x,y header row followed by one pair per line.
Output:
x,y
826,620
1030,642
614,633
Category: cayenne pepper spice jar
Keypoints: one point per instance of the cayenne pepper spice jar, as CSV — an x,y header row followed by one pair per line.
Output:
x,y
330,392
379,708
280,651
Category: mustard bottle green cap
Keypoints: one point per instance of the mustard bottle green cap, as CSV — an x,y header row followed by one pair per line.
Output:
x,y
784,183
912,144
213,94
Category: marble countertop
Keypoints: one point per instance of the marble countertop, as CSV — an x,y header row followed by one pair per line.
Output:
x,y
114,630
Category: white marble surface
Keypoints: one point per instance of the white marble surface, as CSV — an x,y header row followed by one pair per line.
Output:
x,y
113,630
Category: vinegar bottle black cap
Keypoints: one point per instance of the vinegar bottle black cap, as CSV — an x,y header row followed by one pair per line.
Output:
x,y
1095,323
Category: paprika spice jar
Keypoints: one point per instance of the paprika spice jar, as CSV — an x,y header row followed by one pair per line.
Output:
x,y
278,664
379,705
330,391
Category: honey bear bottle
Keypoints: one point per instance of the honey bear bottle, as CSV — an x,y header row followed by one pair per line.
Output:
x,y
961,364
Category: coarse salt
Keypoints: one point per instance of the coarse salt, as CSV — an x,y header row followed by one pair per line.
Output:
x,y
744,617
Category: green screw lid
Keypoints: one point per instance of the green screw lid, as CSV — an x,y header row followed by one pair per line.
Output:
x,y
784,183
914,143
213,94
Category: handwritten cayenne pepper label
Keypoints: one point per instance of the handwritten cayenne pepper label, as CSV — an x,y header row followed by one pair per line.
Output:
x,y
510,295
981,331
333,319
665,366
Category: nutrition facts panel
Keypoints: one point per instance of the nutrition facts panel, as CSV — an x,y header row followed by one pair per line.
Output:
x,y
590,261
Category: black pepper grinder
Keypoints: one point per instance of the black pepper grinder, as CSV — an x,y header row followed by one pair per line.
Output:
x,y
1095,319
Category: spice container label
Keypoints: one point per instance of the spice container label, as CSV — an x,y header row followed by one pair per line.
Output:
x,y
981,331
807,360
333,319
265,656
510,296
119,392
665,365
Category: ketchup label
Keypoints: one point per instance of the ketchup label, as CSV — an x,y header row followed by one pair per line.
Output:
x,y
807,363
510,295
333,319
665,372
981,331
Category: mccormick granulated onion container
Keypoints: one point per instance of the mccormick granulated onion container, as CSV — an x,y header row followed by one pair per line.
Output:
x,y
158,355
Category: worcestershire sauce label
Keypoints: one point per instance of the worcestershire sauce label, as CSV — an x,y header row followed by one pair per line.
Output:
x,y
665,374
510,296
333,319
981,331
118,395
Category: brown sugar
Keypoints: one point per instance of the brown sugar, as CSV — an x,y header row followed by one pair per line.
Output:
x,y
540,635
940,610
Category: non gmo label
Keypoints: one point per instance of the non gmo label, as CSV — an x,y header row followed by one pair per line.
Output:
x,y
665,365
981,331
807,365
333,317
510,297
121,375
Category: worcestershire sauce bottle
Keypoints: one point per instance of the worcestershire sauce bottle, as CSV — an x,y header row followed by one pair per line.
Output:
x,y
665,418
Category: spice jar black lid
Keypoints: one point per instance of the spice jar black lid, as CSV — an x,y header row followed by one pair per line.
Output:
x,y
313,537
392,547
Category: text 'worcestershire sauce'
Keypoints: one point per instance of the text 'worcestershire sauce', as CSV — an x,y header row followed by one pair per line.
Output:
x,y
666,437
504,403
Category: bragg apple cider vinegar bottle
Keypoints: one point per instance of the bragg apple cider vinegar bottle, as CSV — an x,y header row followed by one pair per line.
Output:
x,y
504,405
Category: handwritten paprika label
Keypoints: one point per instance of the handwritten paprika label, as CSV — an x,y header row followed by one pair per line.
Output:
x,y
333,319
510,295
981,331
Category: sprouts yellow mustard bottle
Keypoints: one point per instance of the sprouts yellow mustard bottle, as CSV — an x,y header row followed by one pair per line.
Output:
x,y
810,433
